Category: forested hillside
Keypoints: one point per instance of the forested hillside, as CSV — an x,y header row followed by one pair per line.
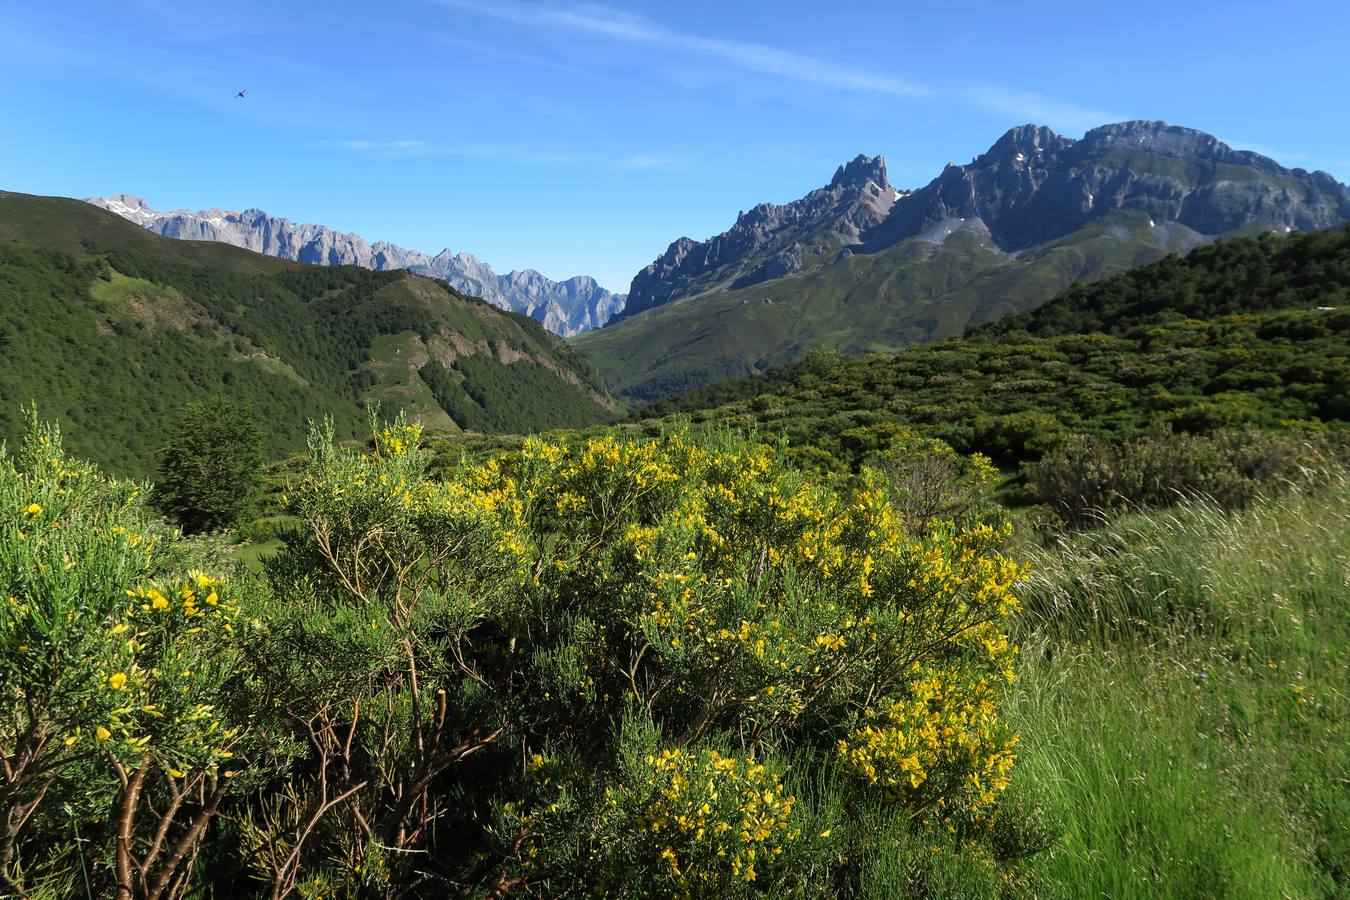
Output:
x,y
1298,272
110,330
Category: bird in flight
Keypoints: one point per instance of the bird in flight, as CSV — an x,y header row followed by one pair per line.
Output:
x,y
241,93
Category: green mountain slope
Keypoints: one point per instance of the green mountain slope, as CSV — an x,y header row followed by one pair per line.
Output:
x,y
110,329
1249,331
912,292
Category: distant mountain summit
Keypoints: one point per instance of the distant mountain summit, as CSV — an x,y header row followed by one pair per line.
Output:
x,y
563,307
1030,187
772,241
861,265
1033,186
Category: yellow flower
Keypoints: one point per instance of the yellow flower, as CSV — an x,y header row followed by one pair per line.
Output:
x,y
33,509
117,681
102,733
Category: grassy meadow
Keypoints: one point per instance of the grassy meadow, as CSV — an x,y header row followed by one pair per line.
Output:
x,y
1183,705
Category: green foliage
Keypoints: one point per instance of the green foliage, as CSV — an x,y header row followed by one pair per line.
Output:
x,y
669,666
614,665
1297,272
481,394
211,469
930,484
1088,481
1183,704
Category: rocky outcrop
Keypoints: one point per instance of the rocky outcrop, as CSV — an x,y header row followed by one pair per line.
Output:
x,y
564,307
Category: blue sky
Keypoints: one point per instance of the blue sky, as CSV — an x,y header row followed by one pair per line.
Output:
x,y
583,138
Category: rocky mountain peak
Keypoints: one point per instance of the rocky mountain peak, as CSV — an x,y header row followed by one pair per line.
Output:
x,y
1034,186
1021,144
128,206
1031,187
131,200
771,240
1162,139
861,170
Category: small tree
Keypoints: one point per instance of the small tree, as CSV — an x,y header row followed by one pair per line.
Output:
x,y
210,470
929,484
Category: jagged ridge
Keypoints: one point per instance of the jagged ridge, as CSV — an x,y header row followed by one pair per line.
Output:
x,y
563,307
771,241
1030,187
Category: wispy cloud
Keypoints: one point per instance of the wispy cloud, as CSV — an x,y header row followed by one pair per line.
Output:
x,y
1039,109
1267,150
611,23
648,161
620,25
483,48
518,155
387,148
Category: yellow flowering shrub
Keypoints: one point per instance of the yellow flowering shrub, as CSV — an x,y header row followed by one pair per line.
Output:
x,y
178,653
112,667
668,666
718,818
726,596
938,746
465,652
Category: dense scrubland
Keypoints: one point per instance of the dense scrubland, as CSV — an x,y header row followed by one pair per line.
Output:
x,y
674,664
1059,609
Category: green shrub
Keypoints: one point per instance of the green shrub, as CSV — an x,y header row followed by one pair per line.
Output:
x,y
609,666
930,484
649,666
1088,479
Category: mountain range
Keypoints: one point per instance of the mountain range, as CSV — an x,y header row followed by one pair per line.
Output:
x,y
109,329
862,265
563,307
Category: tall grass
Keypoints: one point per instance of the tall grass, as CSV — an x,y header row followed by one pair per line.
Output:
x,y
1183,702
